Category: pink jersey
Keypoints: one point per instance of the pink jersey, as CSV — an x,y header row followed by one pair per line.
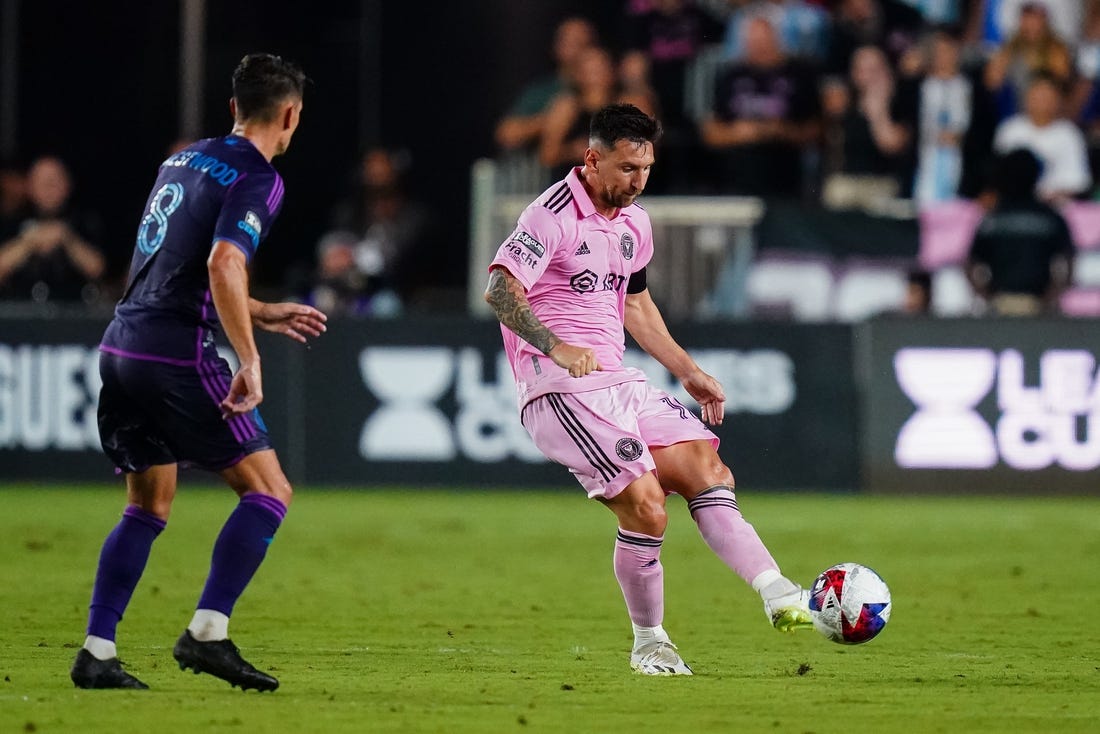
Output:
x,y
575,264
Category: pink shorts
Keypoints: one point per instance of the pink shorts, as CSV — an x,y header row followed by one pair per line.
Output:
x,y
604,436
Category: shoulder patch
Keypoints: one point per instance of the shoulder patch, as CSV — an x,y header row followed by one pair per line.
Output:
x,y
529,242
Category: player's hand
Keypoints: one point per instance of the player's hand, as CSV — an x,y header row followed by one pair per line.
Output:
x,y
245,391
580,361
708,392
295,320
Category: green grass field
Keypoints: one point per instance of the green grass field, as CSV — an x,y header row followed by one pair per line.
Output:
x,y
498,612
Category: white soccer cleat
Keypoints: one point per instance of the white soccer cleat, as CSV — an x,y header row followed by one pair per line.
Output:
x,y
658,658
790,612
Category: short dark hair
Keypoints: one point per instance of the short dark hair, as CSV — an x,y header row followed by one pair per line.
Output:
x,y
617,122
1015,174
261,82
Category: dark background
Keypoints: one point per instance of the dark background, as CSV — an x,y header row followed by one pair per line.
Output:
x,y
98,86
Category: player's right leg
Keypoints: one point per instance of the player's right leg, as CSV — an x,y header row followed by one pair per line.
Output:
x,y
121,563
241,547
593,435
640,510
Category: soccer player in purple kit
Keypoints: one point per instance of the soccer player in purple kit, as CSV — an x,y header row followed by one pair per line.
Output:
x,y
168,398
564,285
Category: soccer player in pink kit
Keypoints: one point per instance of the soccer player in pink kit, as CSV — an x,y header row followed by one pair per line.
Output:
x,y
563,286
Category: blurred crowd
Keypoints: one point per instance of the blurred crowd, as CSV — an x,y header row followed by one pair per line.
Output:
x,y
842,104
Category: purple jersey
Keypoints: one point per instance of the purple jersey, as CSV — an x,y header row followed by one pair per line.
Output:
x,y
215,189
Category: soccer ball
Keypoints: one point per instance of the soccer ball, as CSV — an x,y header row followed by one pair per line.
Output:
x,y
849,603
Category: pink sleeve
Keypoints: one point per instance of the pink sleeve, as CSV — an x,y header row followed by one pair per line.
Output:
x,y
527,251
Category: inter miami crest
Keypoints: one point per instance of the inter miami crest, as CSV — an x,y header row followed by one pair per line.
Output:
x,y
626,245
628,449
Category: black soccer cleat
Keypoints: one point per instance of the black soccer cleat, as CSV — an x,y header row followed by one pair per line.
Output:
x,y
221,659
88,671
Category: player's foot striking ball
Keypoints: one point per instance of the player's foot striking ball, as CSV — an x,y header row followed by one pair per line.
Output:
x,y
168,397
88,671
563,286
220,659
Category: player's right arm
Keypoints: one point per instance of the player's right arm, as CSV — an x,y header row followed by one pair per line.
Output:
x,y
508,299
228,269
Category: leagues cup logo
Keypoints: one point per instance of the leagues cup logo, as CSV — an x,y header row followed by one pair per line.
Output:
x,y
628,449
626,245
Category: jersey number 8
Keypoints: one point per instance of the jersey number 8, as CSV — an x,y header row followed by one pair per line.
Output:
x,y
167,199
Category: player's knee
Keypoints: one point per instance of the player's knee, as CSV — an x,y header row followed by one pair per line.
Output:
x,y
650,517
716,472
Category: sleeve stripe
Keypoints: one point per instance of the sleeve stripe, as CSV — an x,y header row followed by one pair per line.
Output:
x,y
276,194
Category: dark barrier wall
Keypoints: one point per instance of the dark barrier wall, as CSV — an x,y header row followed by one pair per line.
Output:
x,y
962,406
432,402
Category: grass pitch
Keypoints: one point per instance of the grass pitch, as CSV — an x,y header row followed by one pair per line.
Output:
x,y
498,612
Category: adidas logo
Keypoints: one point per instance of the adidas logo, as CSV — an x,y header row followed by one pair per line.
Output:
x,y
583,249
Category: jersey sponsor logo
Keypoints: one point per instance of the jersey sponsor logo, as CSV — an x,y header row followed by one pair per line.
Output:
x,y
521,256
626,245
584,282
218,170
529,242
583,249
251,226
628,449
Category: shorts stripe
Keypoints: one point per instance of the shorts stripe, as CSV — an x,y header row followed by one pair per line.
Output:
x,y
211,386
244,426
582,438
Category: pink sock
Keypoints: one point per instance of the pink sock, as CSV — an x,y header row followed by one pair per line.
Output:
x,y
732,539
639,572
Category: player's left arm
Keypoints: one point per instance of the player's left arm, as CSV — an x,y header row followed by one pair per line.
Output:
x,y
228,269
295,320
644,322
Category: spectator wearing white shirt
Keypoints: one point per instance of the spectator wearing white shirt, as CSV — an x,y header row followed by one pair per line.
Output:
x,y
1056,141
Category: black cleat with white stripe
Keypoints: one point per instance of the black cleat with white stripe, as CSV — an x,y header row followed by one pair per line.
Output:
x,y
221,659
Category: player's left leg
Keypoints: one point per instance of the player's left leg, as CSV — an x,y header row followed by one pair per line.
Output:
x,y
122,561
693,470
241,547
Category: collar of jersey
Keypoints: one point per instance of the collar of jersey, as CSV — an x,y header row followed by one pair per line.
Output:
x,y
580,195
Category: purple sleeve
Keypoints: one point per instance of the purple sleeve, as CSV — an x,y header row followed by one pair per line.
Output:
x,y
249,210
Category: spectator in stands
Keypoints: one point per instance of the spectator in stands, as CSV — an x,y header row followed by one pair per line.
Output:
x,y
1057,142
51,259
1034,49
891,25
998,20
944,106
802,28
339,286
1022,255
522,126
565,135
765,113
668,38
13,199
671,36
389,230
918,293
874,128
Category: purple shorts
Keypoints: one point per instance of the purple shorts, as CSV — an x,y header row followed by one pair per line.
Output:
x,y
604,436
152,413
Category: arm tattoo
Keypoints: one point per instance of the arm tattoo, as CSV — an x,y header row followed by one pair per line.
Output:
x,y
505,296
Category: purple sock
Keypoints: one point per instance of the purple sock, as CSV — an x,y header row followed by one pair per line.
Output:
x,y
240,549
121,563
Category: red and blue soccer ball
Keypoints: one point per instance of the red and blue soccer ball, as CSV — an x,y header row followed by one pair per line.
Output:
x,y
849,603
